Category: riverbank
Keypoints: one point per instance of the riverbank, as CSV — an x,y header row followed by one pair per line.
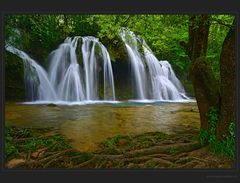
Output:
x,y
47,148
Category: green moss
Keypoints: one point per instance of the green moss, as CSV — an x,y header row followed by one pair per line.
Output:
x,y
188,88
151,164
27,140
204,78
172,150
119,143
14,88
110,144
144,141
160,135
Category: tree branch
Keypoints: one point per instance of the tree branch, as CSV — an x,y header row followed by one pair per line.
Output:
x,y
217,21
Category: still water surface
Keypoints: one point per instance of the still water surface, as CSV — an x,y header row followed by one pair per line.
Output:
x,y
88,125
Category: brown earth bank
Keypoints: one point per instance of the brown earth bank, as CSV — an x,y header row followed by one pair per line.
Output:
x,y
28,148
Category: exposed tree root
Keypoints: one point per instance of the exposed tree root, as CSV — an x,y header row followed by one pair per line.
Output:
x,y
54,155
152,150
163,149
85,163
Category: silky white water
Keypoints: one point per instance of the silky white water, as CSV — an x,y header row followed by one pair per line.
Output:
x,y
152,79
81,66
65,79
36,78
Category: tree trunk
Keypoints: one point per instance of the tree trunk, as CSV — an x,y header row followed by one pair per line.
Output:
x,y
197,37
228,84
205,85
206,88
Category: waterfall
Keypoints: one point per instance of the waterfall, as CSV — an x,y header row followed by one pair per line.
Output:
x,y
162,82
64,72
36,79
136,62
65,79
109,91
81,66
91,49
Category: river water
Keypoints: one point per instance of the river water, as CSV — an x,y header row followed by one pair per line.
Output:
x,y
87,125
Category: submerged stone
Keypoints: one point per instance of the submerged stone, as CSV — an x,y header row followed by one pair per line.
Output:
x,y
51,105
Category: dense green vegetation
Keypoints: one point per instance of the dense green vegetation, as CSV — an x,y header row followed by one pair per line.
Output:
x,y
225,147
38,35
162,32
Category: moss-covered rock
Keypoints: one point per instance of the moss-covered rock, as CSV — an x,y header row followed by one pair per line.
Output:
x,y
51,105
14,78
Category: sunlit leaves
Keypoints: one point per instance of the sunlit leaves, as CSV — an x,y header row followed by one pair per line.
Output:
x,y
161,32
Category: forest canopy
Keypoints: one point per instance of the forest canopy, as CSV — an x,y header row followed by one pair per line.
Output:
x,y
161,32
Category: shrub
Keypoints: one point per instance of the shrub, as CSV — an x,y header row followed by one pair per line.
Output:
x,y
225,147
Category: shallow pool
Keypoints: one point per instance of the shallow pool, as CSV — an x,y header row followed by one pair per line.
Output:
x,y
89,124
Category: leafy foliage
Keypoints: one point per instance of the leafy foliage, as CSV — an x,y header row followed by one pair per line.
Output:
x,y
38,35
225,147
219,27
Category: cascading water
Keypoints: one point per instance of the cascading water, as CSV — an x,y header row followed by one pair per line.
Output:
x,y
36,78
90,46
74,77
136,62
65,79
64,72
109,91
163,83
